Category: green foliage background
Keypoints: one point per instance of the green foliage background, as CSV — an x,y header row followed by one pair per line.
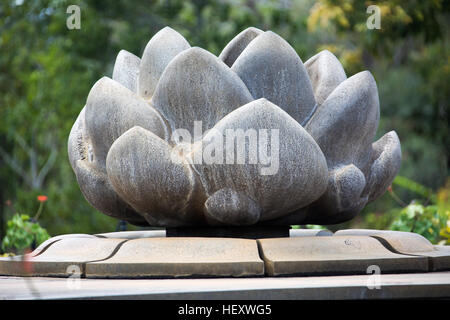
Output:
x,y
46,72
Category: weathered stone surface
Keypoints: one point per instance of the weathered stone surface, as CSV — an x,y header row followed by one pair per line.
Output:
x,y
145,254
235,47
309,233
97,190
407,243
300,162
111,109
198,86
160,50
231,207
126,70
75,145
61,258
333,255
344,127
93,182
386,161
141,169
181,257
326,73
442,248
271,69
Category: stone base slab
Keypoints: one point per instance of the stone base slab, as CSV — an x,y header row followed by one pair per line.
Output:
x,y
148,254
61,258
333,256
180,257
407,243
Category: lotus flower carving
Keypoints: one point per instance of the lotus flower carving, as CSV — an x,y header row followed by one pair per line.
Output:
x,y
181,137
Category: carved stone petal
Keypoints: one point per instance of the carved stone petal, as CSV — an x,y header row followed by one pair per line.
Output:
x,y
230,207
235,47
343,198
160,50
293,175
344,126
271,69
198,86
326,73
150,177
112,109
92,179
97,190
76,147
387,155
126,70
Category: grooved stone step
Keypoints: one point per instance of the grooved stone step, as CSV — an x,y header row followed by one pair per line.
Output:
x,y
61,258
181,257
408,243
333,255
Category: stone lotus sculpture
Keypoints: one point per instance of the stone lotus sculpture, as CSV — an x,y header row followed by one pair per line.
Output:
x,y
127,163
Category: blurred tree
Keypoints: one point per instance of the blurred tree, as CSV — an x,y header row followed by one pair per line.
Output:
x,y
46,71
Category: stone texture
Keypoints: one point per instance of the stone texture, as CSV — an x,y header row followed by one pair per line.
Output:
x,y
231,207
271,69
126,70
111,109
301,161
218,193
344,127
160,50
181,257
386,161
61,257
198,86
141,169
141,254
326,73
235,47
93,182
408,243
332,256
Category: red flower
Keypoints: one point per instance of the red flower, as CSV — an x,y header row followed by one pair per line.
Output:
x,y
42,198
